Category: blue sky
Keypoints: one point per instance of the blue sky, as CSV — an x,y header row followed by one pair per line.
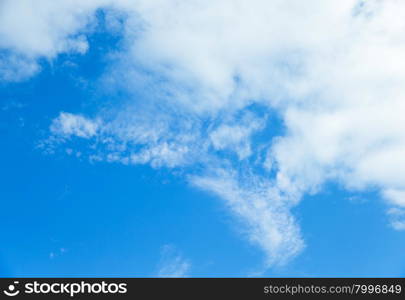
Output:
x,y
136,142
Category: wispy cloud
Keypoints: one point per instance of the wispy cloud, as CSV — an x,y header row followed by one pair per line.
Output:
x,y
68,124
172,263
264,213
31,31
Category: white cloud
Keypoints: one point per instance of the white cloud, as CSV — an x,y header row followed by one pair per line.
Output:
x,y
42,29
68,124
170,155
397,217
236,137
331,70
396,197
15,68
45,28
172,263
264,213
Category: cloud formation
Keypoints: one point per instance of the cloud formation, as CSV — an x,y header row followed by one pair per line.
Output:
x,y
208,77
68,124
265,214
34,30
